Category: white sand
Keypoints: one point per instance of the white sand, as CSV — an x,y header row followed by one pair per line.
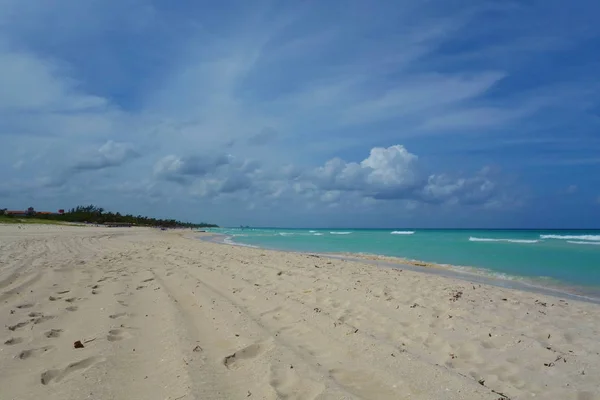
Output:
x,y
167,317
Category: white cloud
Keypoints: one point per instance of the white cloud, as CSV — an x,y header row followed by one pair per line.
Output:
x,y
387,174
33,84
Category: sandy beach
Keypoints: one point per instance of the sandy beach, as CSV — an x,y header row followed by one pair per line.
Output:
x,y
162,315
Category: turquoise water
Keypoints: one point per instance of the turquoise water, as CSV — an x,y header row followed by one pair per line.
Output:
x,y
565,257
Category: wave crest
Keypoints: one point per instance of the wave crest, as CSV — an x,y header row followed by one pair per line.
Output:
x,y
579,242
340,233
572,237
476,239
402,233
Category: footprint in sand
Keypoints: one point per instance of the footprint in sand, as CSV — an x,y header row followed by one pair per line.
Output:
x,y
288,385
362,385
25,354
118,315
53,333
13,341
35,314
42,318
28,305
236,359
57,375
115,335
18,325
71,299
72,308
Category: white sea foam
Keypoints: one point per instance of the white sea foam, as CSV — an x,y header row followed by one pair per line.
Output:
x,y
340,233
403,232
317,234
572,237
579,242
311,231
285,233
476,239
231,242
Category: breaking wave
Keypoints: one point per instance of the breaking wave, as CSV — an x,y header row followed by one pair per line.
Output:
x,y
340,233
402,232
572,237
231,242
476,239
579,242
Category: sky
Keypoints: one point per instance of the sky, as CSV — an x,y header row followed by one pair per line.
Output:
x,y
434,114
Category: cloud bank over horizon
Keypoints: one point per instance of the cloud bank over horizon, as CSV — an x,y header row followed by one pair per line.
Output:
x,y
347,114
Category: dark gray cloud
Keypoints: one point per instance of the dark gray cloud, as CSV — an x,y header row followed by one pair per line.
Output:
x,y
111,154
265,136
189,168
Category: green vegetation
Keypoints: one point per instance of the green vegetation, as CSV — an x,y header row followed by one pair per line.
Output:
x,y
97,215
4,219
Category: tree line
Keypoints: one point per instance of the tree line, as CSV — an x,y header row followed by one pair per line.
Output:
x,y
97,215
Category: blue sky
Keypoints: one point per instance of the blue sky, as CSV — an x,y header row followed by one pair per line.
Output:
x,y
338,113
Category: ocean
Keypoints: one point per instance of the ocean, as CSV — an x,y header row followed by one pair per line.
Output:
x,y
563,259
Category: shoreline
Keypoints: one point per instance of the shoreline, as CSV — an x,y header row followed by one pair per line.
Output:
x,y
465,273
